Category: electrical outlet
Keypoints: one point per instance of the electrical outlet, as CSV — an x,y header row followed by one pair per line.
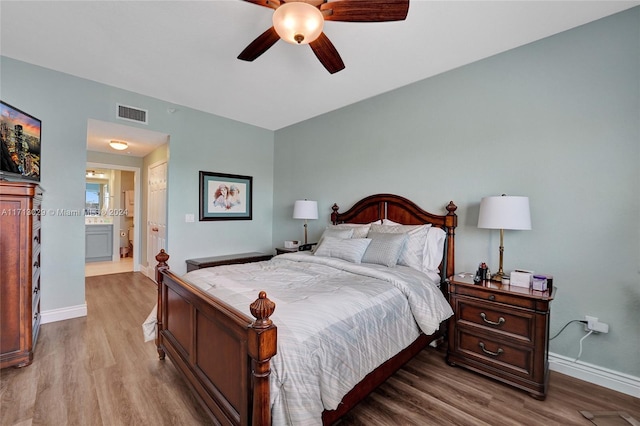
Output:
x,y
594,325
590,321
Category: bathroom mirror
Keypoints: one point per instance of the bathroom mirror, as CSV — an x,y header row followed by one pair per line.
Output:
x,y
96,194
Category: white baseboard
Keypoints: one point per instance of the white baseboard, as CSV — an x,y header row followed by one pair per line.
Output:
x,y
591,373
62,314
148,272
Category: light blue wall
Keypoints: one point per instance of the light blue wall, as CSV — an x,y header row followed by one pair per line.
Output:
x,y
199,141
557,120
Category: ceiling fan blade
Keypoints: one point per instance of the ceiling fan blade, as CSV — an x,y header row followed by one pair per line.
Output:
x,y
365,10
272,4
327,54
260,45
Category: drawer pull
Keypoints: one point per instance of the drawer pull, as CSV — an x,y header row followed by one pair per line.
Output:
x,y
484,318
36,239
489,352
492,297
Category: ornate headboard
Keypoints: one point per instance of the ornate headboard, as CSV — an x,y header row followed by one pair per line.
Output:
x,y
401,210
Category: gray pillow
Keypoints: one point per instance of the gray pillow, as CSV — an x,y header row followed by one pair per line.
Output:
x,y
384,249
333,232
350,249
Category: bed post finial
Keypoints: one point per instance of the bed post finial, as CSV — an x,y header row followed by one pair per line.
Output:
x,y
451,208
162,258
262,309
334,214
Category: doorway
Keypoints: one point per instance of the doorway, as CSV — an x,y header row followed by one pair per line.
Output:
x,y
112,219
141,147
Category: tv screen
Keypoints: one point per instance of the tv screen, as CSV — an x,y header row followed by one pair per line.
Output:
x,y
19,144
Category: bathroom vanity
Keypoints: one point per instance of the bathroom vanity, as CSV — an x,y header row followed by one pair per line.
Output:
x,y
98,242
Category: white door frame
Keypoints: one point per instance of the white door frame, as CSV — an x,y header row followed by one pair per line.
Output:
x,y
136,211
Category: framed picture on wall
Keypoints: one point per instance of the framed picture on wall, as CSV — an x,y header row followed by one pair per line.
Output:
x,y
19,144
225,197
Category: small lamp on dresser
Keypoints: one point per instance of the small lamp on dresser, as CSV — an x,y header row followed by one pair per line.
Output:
x,y
504,212
305,209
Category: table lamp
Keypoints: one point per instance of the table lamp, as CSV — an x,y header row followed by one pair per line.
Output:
x,y
305,209
504,212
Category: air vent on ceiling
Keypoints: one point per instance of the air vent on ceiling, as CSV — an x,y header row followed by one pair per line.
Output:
x,y
130,113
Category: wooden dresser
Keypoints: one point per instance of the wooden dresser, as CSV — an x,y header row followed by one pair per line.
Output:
x,y
19,271
501,331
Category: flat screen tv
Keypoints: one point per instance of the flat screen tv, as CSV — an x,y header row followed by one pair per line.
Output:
x,y
19,144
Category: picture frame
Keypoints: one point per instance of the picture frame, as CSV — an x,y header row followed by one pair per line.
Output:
x,y
20,140
225,196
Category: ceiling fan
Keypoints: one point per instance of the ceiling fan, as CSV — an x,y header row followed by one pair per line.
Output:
x,y
301,22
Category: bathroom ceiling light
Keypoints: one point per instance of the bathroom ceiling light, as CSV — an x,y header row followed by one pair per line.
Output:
x,y
118,145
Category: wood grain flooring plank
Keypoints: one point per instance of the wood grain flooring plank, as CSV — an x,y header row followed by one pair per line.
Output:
x,y
18,390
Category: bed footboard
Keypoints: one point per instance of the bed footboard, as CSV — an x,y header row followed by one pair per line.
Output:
x,y
223,354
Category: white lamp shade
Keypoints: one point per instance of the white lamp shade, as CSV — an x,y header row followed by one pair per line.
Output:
x,y
305,209
298,22
505,212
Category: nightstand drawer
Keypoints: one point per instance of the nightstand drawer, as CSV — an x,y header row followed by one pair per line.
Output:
x,y
509,322
512,298
503,356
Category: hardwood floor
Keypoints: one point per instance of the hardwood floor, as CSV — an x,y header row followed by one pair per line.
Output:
x,y
98,371
124,264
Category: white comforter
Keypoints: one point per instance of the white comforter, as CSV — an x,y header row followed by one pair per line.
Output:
x,y
336,322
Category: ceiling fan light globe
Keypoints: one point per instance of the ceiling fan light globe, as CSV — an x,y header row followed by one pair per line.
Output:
x,y
298,22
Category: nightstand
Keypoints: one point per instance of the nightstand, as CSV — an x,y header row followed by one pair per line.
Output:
x,y
501,332
301,247
229,259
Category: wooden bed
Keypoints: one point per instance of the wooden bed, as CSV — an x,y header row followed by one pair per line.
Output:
x,y
224,355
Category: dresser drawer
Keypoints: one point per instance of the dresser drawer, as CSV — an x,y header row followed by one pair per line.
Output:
x,y
35,293
502,355
35,263
35,240
494,318
35,327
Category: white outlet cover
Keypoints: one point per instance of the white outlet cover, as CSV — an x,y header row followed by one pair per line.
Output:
x,y
189,217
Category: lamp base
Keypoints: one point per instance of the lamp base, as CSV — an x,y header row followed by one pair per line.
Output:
x,y
496,277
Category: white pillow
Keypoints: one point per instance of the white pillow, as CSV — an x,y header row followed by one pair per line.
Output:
x,y
413,253
359,230
384,249
434,249
350,250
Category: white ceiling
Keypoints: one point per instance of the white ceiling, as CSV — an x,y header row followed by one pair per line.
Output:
x,y
184,52
140,141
